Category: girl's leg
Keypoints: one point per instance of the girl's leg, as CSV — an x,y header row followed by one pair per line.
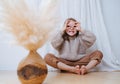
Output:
x,y
95,59
61,64
74,69
84,69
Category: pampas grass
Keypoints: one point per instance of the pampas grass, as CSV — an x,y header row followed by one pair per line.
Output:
x,y
30,27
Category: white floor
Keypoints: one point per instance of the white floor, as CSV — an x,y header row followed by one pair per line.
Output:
x,y
10,77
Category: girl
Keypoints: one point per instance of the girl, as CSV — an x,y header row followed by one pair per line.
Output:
x,y
72,44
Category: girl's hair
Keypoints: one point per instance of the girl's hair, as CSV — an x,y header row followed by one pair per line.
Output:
x,y
65,35
70,19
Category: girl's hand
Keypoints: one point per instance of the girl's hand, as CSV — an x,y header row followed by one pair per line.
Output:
x,y
65,25
78,27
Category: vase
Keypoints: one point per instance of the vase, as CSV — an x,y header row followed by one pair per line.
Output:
x,y
32,69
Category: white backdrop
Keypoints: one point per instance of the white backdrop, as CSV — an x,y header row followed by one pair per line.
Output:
x,y
111,12
11,55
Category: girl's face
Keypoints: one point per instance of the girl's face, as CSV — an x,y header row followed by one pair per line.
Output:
x,y
71,28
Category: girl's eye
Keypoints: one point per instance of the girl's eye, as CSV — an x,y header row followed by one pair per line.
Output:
x,y
68,26
74,26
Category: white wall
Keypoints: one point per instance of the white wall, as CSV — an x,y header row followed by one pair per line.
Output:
x,y
111,15
11,55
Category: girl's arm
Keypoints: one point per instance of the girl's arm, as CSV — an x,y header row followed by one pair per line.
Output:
x,y
57,40
88,38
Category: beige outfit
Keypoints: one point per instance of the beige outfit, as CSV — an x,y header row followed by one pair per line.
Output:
x,y
76,47
73,51
52,60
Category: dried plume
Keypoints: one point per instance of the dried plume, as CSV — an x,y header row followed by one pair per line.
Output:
x,y
30,26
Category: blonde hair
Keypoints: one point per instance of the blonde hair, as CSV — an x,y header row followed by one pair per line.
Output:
x,y
70,19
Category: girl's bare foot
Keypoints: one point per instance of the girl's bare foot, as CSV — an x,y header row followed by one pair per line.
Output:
x,y
76,69
83,70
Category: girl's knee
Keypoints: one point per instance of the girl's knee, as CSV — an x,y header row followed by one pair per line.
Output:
x,y
51,60
99,54
48,56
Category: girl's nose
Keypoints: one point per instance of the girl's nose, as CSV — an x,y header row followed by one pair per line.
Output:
x,y
71,28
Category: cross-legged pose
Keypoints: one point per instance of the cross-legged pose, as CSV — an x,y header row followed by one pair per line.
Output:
x,y
72,44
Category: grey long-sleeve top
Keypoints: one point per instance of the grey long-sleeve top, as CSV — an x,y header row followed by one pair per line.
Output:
x,y
76,47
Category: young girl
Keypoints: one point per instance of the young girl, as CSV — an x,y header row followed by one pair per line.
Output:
x,y
72,44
